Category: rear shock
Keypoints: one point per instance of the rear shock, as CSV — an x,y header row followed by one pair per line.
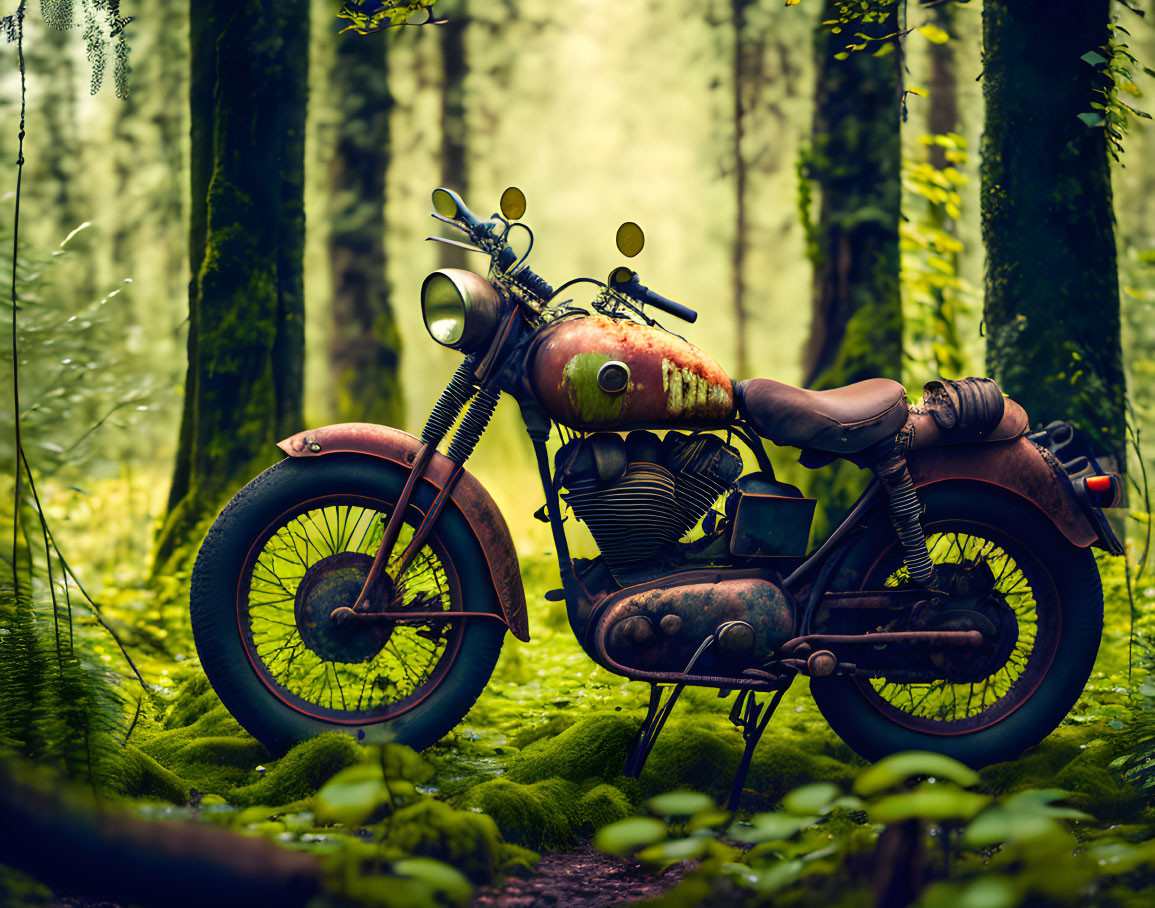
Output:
x,y
905,511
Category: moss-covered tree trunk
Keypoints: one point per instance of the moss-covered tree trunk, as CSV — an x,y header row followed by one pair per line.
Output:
x,y
243,390
739,88
856,325
1052,293
365,345
454,72
856,159
942,100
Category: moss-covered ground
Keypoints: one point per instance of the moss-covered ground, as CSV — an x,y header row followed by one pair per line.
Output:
x,y
535,766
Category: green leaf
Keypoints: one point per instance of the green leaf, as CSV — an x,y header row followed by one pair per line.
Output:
x,y
769,827
930,801
934,34
1040,802
811,799
1093,58
674,850
996,825
441,879
679,804
352,795
1092,119
627,836
897,768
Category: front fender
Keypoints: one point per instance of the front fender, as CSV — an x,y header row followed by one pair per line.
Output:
x,y
469,497
1021,467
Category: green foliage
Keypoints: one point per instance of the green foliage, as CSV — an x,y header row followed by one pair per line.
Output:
x,y
938,304
367,16
1109,112
828,845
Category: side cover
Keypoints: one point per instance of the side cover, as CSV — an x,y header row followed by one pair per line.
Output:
x,y
469,497
1020,467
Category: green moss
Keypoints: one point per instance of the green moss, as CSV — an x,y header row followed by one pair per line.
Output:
x,y
1076,759
141,776
212,754
538,815
302,770
601,805
592,748
517,861
552,727
465,840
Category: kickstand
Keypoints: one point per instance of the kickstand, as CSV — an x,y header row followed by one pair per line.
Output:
x,y
744,715
656,716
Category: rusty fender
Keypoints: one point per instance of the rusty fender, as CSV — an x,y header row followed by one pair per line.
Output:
x,y
469,497
1020,467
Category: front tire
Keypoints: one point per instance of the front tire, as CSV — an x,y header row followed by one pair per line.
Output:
x,y
295,543
1054,590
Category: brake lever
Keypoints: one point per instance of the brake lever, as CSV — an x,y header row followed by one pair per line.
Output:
x,y
447,242
451,223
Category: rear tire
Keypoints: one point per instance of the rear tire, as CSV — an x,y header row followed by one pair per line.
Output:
x,y
1064,595
414,687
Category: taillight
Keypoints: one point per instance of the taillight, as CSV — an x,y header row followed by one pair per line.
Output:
x,y
1103,491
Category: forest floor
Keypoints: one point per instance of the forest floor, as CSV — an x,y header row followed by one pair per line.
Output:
x,y
511,798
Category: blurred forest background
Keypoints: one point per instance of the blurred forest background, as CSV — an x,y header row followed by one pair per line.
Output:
x,y
698,119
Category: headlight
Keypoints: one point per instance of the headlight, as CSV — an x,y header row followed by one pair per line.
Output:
x,y
461,309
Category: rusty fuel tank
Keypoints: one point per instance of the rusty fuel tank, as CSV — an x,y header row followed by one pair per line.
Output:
x,y
660,629
603,373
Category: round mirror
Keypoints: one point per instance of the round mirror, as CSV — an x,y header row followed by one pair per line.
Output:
x,y
512,203
621,275
444,204
630,239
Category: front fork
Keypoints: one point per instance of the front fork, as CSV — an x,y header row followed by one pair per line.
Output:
x,y
460,391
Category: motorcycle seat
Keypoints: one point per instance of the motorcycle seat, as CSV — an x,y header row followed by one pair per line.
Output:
x,y
839,421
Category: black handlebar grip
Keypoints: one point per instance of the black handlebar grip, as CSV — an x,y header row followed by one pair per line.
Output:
x,y
642,294
524,276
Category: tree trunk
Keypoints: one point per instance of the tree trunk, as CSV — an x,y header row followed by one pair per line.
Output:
x,y
738,250
856,323
454,71
243,390
856,327
1052,292
363,353
942,100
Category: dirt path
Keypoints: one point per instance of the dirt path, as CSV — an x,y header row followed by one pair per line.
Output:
x,y
583,878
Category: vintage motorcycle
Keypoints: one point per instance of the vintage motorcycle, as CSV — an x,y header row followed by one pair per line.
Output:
x,y
366,582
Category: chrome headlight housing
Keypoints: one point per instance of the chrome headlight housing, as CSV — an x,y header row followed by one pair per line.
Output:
x,y
461,309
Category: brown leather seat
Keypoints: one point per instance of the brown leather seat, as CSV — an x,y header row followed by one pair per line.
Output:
x,y
841,421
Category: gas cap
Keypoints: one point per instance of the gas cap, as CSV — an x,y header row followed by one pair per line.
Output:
x,y
613,377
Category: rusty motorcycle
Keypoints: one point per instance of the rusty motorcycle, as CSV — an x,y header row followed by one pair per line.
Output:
x,y
366,582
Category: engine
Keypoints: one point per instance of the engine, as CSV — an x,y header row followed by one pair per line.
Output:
x,y
640,494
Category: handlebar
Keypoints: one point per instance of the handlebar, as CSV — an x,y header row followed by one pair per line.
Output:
x,y
531,281
636,291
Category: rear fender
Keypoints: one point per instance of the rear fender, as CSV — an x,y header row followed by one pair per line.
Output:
x,y
469,497
1019,467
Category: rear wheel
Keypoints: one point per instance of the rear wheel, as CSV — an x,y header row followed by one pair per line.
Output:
x,y
297,543
1037,599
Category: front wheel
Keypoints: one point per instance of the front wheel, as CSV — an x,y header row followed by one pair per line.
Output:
x,y
1038,592
295,544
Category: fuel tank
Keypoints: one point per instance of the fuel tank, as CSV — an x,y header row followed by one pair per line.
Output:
x,y
602,373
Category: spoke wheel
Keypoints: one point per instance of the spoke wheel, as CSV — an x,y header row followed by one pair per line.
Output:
x,y
314,559
992,577
1007,572
296,543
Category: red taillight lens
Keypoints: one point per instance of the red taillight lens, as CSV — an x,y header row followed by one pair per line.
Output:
x,y
1102,490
